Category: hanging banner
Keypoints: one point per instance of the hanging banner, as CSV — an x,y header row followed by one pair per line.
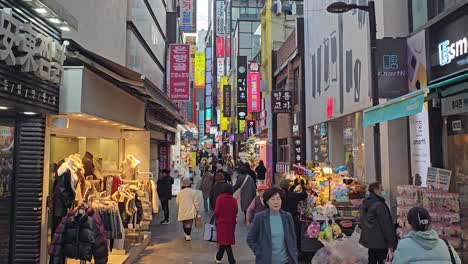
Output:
x,y
179,81
186,16
227,100
220,67
219,47
253,95
199,82
241,89
223,118
251,128
220,17
193,50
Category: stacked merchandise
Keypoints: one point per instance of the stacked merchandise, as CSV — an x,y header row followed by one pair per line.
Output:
x,y
443,207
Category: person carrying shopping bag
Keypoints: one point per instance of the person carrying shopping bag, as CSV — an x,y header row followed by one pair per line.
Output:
x,y
189,207
225,214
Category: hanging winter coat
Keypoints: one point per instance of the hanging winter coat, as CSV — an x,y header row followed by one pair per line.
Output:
x,y
64,195
79,237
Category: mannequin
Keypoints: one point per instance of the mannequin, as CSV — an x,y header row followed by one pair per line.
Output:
x,y
130,167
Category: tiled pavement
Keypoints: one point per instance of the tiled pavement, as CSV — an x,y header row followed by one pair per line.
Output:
x,y
168,244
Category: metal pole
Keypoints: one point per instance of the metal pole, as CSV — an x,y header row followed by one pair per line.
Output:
x,y
375,88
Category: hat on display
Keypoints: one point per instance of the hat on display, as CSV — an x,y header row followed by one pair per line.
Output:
x,y
262,187
186,182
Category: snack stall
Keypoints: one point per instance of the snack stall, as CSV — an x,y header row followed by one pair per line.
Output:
x,y
332,209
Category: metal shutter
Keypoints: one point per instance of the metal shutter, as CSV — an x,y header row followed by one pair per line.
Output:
x,y
28,189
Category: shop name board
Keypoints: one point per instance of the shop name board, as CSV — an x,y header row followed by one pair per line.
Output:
x,y
241,90
281,102
448,51
454,105
392,68
186,15
448,47
220,19
27,92
33,52
179,72
227,101
297,150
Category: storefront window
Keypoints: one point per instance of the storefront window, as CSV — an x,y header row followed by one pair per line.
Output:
x,y
283,150
7,142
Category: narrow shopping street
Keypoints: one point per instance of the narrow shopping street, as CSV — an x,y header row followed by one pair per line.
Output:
x,y
168,244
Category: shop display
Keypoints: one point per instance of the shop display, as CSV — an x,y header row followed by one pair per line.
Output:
x,y
443,207
120,207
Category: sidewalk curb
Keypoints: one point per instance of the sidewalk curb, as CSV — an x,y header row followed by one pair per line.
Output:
x,y
135,252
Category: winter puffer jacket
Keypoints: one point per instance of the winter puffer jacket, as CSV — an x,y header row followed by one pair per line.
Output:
x,y
79,237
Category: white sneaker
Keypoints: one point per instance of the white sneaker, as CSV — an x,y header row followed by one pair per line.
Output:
x,y
187,238
218,261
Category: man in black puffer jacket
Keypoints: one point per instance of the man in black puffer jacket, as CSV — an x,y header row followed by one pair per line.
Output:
x,y
80,236
378,232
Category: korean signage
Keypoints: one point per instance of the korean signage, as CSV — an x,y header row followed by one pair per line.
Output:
x,y
251,128
32,51
253,97
448,46
454,105
186,16
220,68
199,70
208,114
163,158
207,126
193,50
179,66
241,88
219,47
438,178
227,100
392,67
281,102
223,119
220,17
297,150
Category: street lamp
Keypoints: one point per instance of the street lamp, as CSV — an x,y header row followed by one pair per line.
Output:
x,y
341,7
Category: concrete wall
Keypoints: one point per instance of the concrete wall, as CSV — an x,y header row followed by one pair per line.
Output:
x,y
101,26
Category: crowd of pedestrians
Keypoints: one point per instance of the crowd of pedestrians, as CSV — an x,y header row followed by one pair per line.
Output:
x,y
272,217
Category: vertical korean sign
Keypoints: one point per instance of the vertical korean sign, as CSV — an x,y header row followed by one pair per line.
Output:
x,y
224,119
186,15
199,82
179,66
241,90
220,18
227,100
253,102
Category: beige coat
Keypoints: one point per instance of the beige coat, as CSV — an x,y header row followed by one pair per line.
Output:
x,y
189,204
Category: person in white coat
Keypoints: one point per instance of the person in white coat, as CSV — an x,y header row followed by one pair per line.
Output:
x,y
189,207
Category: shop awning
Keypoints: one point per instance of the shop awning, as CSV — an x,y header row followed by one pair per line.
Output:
x,y
406,105
138,83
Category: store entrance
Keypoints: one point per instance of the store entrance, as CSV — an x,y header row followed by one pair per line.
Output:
x,y
7,143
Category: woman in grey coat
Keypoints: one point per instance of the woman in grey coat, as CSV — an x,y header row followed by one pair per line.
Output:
x,y
272,237
248,191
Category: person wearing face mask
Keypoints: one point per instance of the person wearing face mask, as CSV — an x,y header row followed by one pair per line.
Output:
x,y
378,233
422,244
272,237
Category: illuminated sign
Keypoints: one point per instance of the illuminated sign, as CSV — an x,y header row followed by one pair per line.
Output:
x,y
451,50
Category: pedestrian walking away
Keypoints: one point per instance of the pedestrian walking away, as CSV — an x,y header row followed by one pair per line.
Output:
x,y
257,205
245,189
189,207
216,189
422,244
272,237
165,193
225,215
206,185
378,233
261,172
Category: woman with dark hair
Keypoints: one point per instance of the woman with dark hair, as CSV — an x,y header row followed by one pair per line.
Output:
x,y
422,244
225,215
272,237
216,189
261,172
247,189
